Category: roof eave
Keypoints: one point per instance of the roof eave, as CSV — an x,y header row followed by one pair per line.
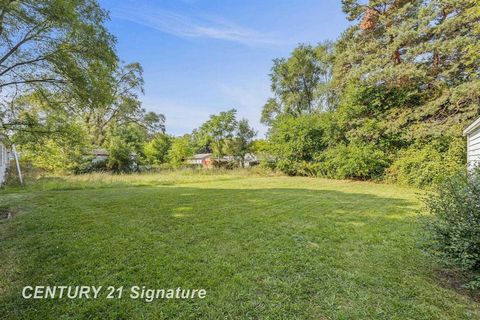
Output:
x,y
475,125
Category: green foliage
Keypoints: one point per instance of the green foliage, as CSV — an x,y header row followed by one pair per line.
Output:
x,y
121,156
427,165
58,71
61,151
295,168
422,59
125,147
401,83
294,139
241,144
181,149
153,122
46,46
217,131
113,101
368,114
300,83
132,135
156,150
260,146
353,161
455,223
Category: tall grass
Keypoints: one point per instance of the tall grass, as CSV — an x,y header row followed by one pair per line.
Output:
x,y
110,180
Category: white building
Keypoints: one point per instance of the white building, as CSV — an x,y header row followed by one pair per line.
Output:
x,y
4,161
472,132
99,155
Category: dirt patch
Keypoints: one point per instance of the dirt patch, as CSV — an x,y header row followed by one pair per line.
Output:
x,y
455,280
7,213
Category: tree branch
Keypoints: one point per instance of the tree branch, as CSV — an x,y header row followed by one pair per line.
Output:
x,y
27,37
48,80
22,63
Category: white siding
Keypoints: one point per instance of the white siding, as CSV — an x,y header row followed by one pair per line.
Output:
x,y
473,148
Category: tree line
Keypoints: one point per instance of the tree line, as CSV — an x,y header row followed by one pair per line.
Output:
x,y
221,135
388,100
63,89
65,92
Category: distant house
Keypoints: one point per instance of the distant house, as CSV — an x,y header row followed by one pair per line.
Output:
x,y
4,161
99,155
206,159
472,132
201,159
251,160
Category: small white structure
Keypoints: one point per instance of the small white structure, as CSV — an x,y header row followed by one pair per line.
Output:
x,y
4,161
472,132
99,155
251,160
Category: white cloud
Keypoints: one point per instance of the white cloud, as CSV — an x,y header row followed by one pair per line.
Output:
x,y
192,26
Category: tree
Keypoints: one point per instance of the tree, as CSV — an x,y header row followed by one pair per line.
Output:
x,y
57,152
260,146
428,50
181,149
114,100
241,144
295,139
53,141
219,129
295,143
154,123
156,150
132,134
300,83
404,77
120,157
44,48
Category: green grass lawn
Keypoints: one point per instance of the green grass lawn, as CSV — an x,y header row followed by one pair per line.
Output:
x,y
262,247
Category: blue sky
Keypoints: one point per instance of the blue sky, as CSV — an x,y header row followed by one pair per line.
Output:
x,y
205,56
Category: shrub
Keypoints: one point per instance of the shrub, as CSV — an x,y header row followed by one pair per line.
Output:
x,y
55,153
353,161
121,158
424,166
455,223
89,166
180,150
295,139
298,168
156,150
229,165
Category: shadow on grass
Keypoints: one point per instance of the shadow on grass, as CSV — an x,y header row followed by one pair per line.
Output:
x,y
259,253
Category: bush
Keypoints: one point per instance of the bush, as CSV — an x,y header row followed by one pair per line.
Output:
x,y
296,139
89,166
121,156
353,161
156,150
455,225
181,149
424,166
298,168
55,154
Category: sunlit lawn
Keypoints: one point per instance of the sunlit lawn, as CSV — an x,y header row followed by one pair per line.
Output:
x,y
262,247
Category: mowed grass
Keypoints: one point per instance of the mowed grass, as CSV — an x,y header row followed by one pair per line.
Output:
x,y
262,247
